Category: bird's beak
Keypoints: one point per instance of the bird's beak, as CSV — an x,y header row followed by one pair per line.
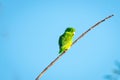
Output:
x,y
74,33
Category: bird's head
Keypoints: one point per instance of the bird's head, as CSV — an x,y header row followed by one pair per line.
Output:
x,y
70,29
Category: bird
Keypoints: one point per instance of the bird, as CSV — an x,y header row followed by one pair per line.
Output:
x,y
66,39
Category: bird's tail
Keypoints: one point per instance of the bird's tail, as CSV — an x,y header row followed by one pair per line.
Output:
x,y
60,51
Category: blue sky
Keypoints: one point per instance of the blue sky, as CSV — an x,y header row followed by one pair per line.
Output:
x,y
29,32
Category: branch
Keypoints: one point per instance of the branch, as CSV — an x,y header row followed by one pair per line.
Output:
x,y
92,28
56,59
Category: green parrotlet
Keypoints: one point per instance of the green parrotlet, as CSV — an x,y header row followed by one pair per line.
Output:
x,y
66,39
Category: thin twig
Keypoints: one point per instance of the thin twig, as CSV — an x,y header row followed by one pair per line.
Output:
x,y
52,63
56,59
92,28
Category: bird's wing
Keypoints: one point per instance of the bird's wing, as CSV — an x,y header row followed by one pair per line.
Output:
x,y
60,41
63,39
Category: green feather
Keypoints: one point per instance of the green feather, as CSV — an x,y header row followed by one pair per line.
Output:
x,y
66,39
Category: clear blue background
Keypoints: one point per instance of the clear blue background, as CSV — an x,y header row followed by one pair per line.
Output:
x,y
29,32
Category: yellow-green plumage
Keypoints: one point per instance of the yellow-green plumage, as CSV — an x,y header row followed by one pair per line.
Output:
x,y
66,39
